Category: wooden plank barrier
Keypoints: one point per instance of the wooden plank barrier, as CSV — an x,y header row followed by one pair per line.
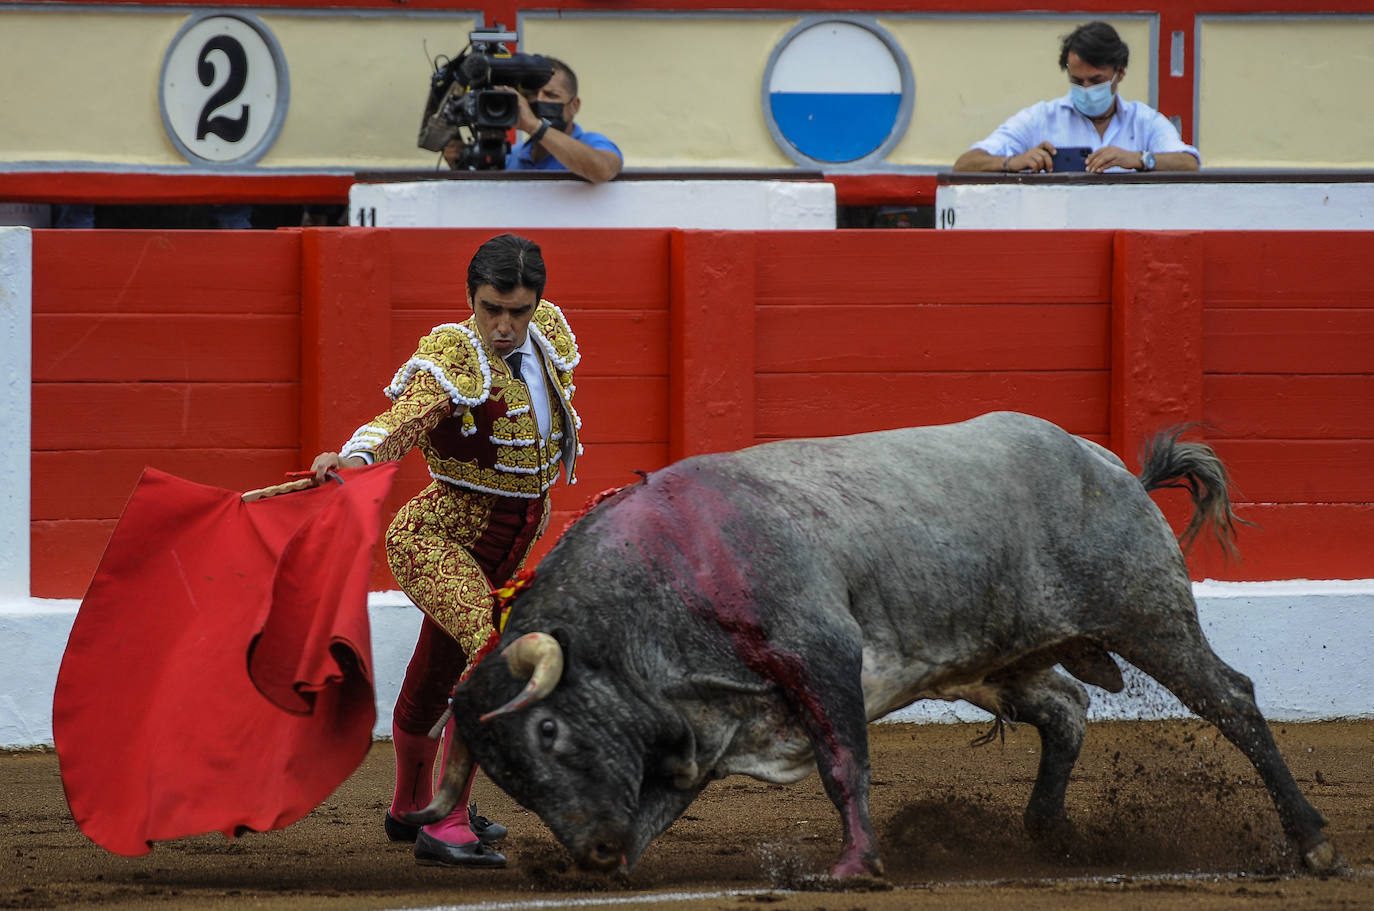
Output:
x,y
179,350
230,358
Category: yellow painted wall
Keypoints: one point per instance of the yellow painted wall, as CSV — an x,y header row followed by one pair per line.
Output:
x,y
670,91
1285,92
358,87
673,90
83,86
703,106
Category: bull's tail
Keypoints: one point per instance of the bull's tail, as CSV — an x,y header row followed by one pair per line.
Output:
x,y
1196,468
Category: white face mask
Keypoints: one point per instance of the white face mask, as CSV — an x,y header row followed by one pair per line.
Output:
x,y
1092,100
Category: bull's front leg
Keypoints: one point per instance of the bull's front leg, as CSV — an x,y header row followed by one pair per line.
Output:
x,y
844,772
830,707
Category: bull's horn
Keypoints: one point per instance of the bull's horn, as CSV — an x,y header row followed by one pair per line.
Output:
x,y
537,656
458,768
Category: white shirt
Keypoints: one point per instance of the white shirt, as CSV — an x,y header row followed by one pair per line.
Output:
x,y
532,372
1135,126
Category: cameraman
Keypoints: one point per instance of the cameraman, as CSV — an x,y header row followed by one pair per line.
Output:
x,y
554,142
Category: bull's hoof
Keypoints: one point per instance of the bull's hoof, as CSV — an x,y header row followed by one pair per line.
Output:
x,y
858,882
1053,837
857,867
1322,858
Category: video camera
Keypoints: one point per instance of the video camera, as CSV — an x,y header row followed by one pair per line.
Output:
x,y
463,105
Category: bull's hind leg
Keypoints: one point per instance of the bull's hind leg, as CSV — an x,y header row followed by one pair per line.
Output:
x,y
1182,661
1058,707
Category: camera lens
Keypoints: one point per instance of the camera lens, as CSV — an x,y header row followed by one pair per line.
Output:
x,y
497,109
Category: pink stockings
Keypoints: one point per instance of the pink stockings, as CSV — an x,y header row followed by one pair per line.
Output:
x,y
433,670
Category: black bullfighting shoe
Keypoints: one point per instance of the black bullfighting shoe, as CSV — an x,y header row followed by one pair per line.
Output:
x,y
396,830
485,830
431,852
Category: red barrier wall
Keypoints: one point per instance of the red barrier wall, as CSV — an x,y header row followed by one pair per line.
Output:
x,y
229,358
177,350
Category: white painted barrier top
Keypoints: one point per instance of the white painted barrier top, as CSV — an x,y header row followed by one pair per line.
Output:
x,y
1193,201
502,202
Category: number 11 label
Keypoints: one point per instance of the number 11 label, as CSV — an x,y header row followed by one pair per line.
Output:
x,y
224,89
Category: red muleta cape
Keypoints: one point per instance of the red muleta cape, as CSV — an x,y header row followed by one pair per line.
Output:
x,y
218,676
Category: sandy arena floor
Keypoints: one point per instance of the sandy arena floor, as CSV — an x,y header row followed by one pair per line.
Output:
x,y
1167,816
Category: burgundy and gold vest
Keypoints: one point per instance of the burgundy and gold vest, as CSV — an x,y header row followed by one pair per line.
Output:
x,y
493,444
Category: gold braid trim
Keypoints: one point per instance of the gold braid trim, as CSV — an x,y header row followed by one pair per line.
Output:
x,y
393,433
426,547
456,358
555,337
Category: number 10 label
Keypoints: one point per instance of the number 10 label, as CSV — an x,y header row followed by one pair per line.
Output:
x,y
224,90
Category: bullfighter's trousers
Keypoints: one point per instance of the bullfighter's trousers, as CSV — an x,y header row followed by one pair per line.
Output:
x,y
442,565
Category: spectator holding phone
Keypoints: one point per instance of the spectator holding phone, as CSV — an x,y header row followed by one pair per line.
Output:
x,y
1122,135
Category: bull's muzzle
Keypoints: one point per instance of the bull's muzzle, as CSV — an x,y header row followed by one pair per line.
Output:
x,y
537,656
603,852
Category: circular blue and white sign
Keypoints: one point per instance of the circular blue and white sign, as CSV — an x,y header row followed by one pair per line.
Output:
x,y
837,90
224,89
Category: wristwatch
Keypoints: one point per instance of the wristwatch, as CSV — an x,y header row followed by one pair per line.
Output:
x,y
544,128
1147,160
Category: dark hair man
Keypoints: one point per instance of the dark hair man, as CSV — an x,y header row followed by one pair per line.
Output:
x,y
1123,135
489,404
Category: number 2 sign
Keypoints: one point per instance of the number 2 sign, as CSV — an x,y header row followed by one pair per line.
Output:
x,y
224,89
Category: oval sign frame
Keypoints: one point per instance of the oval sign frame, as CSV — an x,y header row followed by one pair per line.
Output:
x,y
280,102
904,107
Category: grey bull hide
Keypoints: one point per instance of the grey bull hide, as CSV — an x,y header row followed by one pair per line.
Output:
x,y
750,612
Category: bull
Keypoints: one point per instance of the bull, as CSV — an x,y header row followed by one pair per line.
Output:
x,y
750,612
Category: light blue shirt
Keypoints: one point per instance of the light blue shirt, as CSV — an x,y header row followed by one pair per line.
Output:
x,y
521,158
1136,127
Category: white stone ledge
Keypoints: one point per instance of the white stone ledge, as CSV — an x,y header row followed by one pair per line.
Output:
x,y
1305,644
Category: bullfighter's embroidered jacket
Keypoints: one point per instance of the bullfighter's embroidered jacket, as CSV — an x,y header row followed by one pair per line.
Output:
x,y
456,400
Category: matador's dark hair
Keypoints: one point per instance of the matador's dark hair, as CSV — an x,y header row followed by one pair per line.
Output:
x,y
507,262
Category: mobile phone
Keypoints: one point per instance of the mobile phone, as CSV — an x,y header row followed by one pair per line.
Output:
x,y
1071,158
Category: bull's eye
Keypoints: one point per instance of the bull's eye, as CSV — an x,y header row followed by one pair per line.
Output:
x,y
548,729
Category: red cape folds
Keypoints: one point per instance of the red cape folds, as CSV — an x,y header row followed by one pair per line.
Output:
x,y
218,676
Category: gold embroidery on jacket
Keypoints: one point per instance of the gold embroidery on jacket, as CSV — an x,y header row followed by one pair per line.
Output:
x,y
428,540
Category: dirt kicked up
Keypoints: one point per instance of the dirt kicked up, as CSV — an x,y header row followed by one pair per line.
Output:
x,y
1166,816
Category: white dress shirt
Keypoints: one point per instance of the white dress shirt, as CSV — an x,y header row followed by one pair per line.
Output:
x,y
1135,126
532,372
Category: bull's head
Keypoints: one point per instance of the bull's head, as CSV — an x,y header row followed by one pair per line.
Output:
x,y
577,749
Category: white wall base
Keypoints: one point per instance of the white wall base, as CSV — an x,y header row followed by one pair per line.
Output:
x,y
737,205
1306,646
1156,206
16,413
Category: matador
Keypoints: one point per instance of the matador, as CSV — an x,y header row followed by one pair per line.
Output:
x,y
488,402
